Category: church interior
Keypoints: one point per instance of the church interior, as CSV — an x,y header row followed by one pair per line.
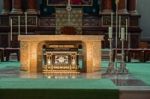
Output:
x,y
74,49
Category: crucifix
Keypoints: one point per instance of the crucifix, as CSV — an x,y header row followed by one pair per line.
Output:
x,y
68,8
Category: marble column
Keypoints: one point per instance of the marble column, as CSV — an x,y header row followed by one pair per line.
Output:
x,y
32,7
132,6
6,6
107,6
16,7
122,7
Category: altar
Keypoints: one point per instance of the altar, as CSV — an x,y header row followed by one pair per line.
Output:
x,y
54,53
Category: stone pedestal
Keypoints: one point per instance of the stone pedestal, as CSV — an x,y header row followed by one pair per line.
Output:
x,y
132,6
107,6
16,7
31,51
122,7
6,6
32,7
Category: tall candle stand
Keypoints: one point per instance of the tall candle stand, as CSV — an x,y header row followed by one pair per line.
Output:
x,y
122,68
18,25
26,23
110,68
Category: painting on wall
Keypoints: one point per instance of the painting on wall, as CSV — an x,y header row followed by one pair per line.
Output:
x,y
73,2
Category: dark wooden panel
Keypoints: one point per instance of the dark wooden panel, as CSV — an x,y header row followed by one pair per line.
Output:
x,y
3,40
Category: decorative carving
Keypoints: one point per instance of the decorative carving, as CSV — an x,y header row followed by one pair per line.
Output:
x,y
91,21
123,20
31,21
106,20
47,22
60,60
75,19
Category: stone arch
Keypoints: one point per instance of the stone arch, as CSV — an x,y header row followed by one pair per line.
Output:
x,y
39,55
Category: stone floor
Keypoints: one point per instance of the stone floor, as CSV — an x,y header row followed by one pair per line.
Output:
x,y
118,79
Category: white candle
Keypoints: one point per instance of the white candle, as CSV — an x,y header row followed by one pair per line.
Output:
x,y
26,23
110,32
11,29
112,19
18,25
126,29
122,33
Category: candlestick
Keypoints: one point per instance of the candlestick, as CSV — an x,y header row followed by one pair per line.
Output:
x,y
126,29
112,19
122,33
110,32
11,29
119,26
26,23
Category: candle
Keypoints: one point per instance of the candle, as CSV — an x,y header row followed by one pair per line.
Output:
x,y
126,29
18,25
11,29
122,33
26,23
112,19
110,32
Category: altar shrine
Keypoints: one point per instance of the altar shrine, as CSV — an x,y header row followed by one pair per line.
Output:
x,y
59,53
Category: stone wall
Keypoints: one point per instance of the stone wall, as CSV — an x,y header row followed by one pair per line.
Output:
x,y
143,7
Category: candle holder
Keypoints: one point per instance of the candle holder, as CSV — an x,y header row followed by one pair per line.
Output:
x,y
111,68
26,23
122,68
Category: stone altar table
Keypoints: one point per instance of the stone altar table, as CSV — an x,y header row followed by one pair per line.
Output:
x,y
31,50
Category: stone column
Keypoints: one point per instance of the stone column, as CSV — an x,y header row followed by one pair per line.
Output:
x,y
32,7
132,6
16,7
107,6
6,6
122,7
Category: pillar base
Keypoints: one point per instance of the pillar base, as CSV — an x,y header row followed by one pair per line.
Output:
x,y
5,12
123,11
16,11
32,11
107,11
133,12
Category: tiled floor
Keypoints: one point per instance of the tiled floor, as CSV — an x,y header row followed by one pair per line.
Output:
x,y
118,79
